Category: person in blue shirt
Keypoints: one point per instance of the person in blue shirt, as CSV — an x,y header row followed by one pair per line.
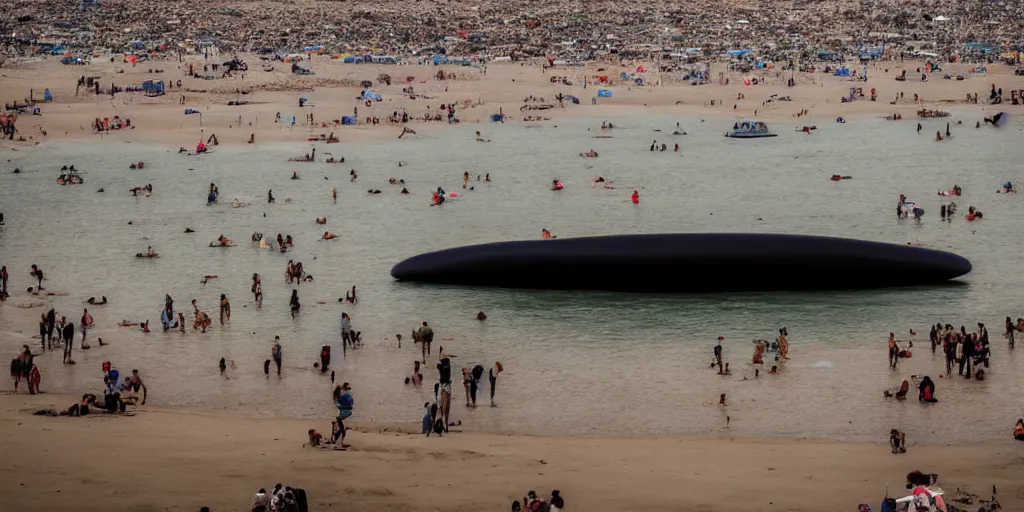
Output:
x,y
344,402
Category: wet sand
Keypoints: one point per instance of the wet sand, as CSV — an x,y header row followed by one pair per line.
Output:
x,y
181,460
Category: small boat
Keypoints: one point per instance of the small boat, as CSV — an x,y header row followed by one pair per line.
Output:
x,y
911,209
750,130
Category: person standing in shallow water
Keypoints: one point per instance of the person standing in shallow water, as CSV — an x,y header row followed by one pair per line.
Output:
x,y
718,354
1010,331
426,335
257,290
492,376
38,274
86,324
294,303
783,344
225,308
275,353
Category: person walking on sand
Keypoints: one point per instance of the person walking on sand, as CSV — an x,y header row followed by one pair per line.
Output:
x,y
345,403
86,324
346,332
444,396
275,353
426,335
3,280
225,308
334,194
718,354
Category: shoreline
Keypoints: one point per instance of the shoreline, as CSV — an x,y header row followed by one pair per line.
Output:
x,y
168,450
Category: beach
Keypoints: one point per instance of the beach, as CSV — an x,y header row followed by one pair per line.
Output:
x,y
606,397
334,90
179,460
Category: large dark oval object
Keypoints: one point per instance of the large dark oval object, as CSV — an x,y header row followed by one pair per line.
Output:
x,y
686,263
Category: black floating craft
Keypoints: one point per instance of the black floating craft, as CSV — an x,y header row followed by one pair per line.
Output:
x,y
686,263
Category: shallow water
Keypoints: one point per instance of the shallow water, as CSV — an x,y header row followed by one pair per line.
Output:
x,y
576,363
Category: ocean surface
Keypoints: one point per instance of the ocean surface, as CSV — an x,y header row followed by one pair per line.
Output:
x,y
577,363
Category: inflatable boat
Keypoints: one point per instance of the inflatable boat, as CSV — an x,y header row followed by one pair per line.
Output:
x,y
750,130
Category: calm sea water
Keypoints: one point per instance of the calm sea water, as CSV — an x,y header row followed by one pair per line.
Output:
x,y
576,363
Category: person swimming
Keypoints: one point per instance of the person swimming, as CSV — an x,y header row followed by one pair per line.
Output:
x,y
150,253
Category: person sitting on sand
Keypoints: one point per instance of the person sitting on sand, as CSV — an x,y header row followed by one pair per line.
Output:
x,y
545,234
1018,430
328,236
102,301
321,220
144,326
295,175
223,241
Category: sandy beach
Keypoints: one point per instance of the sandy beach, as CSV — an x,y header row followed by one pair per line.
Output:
x,y
179,460
332,93
642,435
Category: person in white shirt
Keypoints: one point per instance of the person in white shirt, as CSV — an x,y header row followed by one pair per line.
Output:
x,y
261,502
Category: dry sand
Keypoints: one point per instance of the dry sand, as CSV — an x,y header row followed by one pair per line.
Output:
x,y
333,89
181,460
